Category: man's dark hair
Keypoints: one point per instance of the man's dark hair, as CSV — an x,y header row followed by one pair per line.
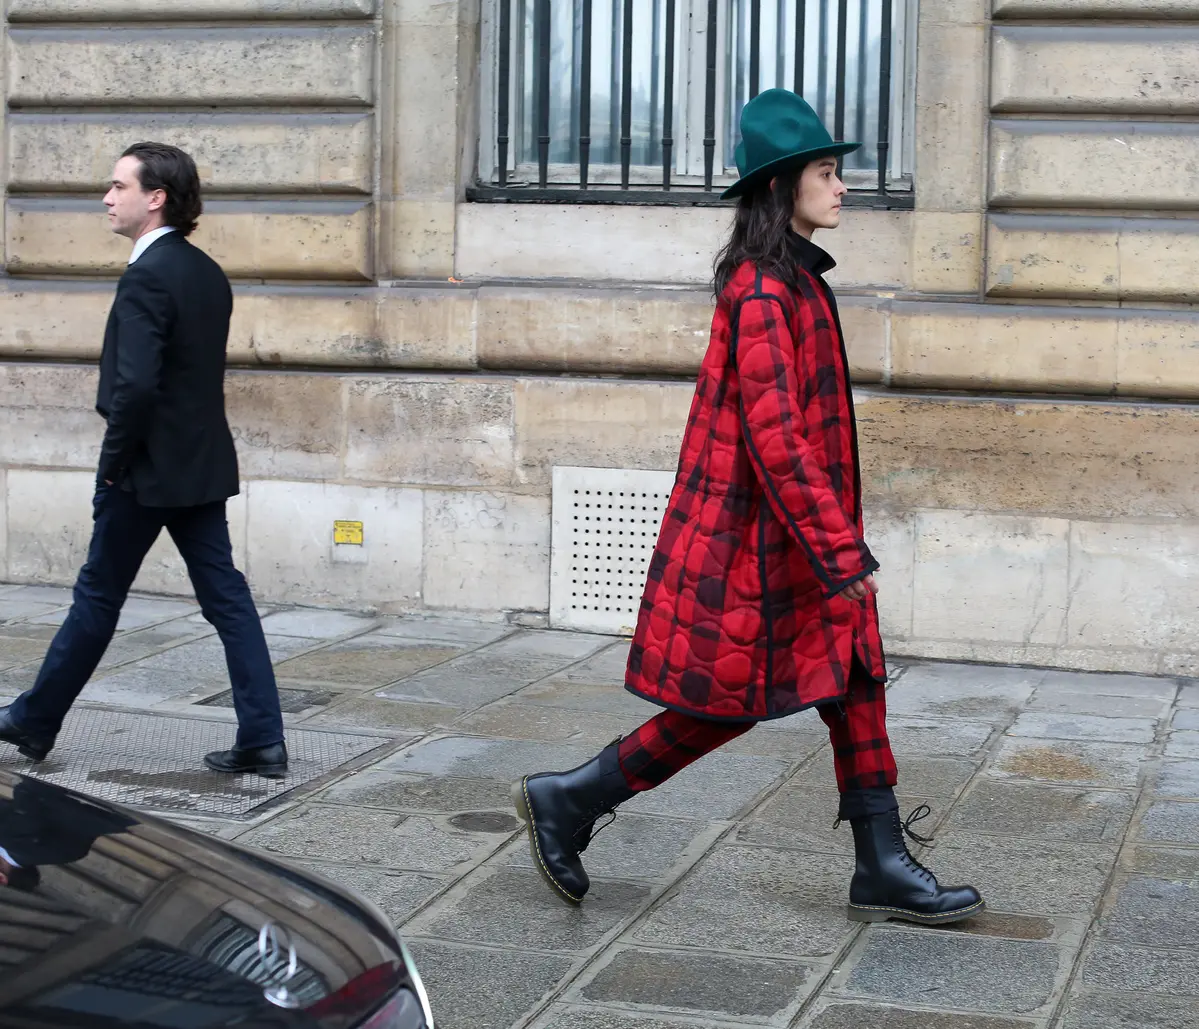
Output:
x,y
168,168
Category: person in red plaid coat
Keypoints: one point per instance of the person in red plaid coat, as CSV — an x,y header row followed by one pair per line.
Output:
x,y
760,600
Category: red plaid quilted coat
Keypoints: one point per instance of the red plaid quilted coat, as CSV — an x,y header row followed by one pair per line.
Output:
x,y
741,617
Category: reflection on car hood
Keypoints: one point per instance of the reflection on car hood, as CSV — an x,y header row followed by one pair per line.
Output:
x,y
113,919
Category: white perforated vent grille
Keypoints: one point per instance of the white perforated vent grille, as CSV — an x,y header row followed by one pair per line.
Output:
x,y
605,525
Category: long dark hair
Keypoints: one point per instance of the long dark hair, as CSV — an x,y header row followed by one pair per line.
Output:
x,y
760,232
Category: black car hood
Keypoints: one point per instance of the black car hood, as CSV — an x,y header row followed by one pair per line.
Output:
x,y
114,920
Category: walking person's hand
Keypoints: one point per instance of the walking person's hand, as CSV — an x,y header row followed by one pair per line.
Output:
x,y
861,589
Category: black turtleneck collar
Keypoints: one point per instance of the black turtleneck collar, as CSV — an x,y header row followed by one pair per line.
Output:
x,y
808,255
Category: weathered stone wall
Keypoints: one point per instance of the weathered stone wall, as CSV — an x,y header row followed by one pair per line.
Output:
x,y
1025,336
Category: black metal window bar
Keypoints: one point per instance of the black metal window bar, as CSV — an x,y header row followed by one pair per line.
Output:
x,y
590,94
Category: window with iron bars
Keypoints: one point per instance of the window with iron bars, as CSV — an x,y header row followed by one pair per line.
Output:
x,y
638,101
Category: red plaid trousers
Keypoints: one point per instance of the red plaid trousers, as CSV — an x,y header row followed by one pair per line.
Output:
x,y
857,728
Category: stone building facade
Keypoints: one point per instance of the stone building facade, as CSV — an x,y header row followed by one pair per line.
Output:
x,y
1024,339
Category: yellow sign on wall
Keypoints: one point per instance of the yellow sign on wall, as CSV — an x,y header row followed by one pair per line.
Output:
x,y
348,532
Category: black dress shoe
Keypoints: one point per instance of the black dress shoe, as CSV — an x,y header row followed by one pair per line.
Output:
x,y
269,762
560,810
890,883
28,744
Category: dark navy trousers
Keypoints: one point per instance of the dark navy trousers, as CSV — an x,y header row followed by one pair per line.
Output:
x,y
123,534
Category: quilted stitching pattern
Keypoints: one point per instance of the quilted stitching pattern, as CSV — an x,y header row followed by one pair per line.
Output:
x,y
741,617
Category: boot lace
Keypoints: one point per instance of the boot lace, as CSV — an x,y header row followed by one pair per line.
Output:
x,y
905,828
588,832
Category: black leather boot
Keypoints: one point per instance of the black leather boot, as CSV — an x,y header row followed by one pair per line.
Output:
x,y
560,809
28,744
269,762
890,883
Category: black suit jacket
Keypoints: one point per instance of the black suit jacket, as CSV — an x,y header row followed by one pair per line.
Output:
x,y
162,379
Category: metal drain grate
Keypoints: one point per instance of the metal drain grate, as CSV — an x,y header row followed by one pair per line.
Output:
x,y
154,762
605,525
291,701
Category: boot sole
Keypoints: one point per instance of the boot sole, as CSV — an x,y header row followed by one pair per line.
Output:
x,y
26,749
866,913
520,800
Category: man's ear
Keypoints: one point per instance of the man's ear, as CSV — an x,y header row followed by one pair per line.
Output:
x,y
158,200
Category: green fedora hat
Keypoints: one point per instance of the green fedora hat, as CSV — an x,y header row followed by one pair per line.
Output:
x,y
779,128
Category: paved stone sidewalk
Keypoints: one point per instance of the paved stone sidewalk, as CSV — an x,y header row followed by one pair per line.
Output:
x,y
1072,800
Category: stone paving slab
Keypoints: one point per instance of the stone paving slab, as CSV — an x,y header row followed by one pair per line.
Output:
x,y
378,715
1027,876
1069,762
962,691
913,736
17,680
421,793
1154,913
1043,812
698,982
758,900
24,630
475,757
418,843
1104,1010
515,720
964,973
1186,718
368,661
16,651
143,643
1045,725
497,670
1176,779
842,1015
1161,862
463,631
577,1016
485,988
1115,966
20,611
1060,702
1182,745
507,907
1106,684
311,624
1171,822
399,894
138,613
606,698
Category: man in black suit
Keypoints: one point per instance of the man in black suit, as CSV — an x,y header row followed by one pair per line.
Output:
x,y
167,461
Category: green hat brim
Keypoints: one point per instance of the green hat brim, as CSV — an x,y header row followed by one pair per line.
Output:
x,y
752,178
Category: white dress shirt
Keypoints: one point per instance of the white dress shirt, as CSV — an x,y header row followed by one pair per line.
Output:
x,y
142,244
4,854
